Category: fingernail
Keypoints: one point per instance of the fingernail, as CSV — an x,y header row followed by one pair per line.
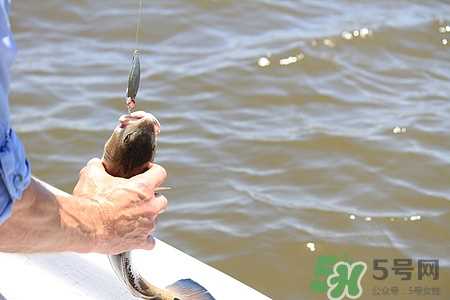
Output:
x,y
151,241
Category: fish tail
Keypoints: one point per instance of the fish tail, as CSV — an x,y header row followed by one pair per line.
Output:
x,y
188,289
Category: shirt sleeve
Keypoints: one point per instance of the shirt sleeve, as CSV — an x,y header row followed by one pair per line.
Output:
x,y
15,173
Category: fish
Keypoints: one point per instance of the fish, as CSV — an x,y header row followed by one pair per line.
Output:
x,y
183,289
132,145
127,153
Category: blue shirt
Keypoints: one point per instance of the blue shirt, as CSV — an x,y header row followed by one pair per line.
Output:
x,y
15,170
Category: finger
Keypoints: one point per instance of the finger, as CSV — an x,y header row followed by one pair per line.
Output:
x,y
151,178
148,244
95,165
94,162
158,204
85,182
83,171
95,168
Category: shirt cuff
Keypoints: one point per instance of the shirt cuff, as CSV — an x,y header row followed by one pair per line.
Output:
x,y
15,172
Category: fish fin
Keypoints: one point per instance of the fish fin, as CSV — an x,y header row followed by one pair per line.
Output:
x,y
188,289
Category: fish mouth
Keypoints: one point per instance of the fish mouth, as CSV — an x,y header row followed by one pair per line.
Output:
x,y
137,118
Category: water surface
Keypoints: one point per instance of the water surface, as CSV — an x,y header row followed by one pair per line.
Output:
x,y
283,123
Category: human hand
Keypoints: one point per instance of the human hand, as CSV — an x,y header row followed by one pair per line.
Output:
x,y
123,211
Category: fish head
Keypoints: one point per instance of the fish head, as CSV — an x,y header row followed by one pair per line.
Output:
x,y
132,145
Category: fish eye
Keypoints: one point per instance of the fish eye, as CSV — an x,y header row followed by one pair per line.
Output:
x,y
127,137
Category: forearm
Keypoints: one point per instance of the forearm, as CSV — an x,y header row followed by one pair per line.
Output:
x,y
105,214
42,221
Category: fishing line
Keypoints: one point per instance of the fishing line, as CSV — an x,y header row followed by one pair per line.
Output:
x,y
134,77
138,25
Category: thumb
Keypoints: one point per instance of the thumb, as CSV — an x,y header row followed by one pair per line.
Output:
x,y
89,175
94,162
151,178
96,168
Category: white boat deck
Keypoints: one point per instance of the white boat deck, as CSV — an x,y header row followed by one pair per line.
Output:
x,y
90,276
